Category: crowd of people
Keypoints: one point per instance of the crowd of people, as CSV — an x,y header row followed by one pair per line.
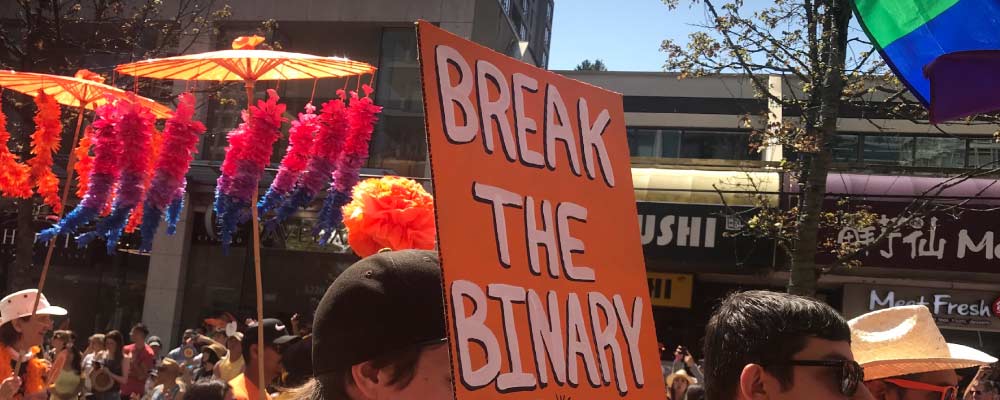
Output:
x,y
379,333
767,345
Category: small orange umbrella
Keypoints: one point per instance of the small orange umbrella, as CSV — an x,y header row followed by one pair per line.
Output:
x,y
244,63
86,89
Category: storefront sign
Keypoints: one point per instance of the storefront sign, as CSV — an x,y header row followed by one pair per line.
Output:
x,y
543,276
694,236
960,309
670,290
938,241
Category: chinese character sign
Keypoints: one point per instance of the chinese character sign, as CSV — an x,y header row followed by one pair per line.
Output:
x,y
545,287
963,241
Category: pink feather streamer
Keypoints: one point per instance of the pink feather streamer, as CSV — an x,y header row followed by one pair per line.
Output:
x,y
362,116
300,143
329,143
180,138
249,151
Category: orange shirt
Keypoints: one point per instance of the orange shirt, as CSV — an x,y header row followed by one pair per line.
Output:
x,y
243,389
34,379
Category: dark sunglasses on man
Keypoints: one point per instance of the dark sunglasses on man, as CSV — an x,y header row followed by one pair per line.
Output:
x,y
947,392
850,375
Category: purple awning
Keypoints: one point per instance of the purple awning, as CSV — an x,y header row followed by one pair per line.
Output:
x,y
906,188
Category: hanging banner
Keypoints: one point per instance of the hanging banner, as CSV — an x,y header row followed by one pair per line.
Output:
x,y
545,287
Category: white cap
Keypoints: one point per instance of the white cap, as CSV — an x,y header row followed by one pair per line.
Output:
x,y
18,305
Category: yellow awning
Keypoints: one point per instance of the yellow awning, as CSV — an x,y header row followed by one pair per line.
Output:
x,y
699,186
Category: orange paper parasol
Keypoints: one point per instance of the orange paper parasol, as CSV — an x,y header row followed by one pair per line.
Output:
x,y
86,89
244,63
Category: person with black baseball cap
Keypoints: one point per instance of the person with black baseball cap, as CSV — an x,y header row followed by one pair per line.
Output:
x,y
379,332
245,386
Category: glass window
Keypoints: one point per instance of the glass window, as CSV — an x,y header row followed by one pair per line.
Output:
x,y
642,142
398,143
941,152
844,148
670,143
715,145
983,152
888,150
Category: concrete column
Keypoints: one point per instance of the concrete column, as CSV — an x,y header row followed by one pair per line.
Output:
x,y
773,150
165,282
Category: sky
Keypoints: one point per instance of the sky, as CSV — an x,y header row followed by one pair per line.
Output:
x,y
625,34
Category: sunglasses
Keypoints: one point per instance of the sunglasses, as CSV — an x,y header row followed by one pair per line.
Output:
x,y
947,392
849,373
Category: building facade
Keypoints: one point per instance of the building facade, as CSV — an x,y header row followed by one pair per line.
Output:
x,y
691,155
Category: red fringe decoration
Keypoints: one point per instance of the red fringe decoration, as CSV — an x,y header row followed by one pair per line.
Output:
x,y
45,143
84,162
135,219
13,175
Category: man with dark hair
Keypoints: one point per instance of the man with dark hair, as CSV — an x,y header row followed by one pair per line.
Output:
x,y
905,356
379,332
143,361
246,385
769,345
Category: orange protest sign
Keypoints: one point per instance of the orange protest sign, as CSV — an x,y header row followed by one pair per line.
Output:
x,y
545,286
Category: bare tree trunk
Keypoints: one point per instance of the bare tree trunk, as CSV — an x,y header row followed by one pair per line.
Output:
x,y
20,274
804,276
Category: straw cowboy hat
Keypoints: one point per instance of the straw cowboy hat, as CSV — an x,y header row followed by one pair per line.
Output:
x,y
905,340
681,374
18,305
101,380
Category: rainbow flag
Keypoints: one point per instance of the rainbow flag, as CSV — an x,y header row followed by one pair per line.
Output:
x,y
911,34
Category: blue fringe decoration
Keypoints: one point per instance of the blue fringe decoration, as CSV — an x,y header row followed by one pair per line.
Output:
x,y
229,213
331,216
270,200
150,222
79,216
300,198
109,228
174,214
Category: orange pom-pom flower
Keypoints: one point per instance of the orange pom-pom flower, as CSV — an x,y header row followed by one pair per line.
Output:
x,y
390,212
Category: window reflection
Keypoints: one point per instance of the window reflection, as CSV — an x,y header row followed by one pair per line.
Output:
x,y
398,143
672,143
715,145
888,150
942,152
844,148
983,152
